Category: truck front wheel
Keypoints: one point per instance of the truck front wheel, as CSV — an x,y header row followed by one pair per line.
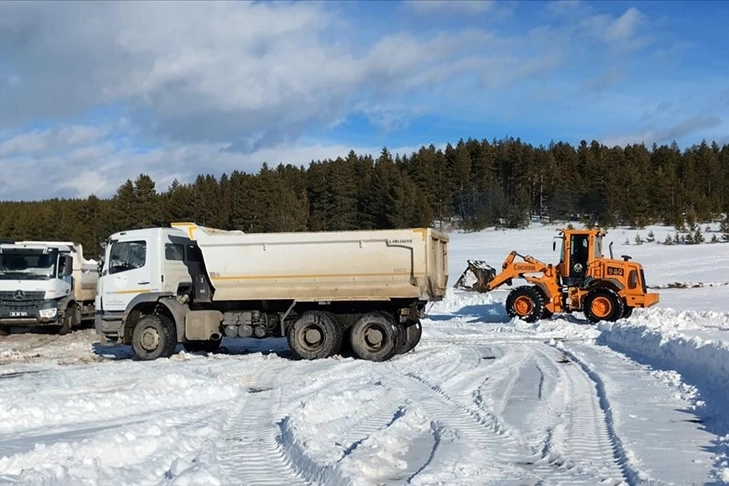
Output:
x,y
154,337
315,335
374,337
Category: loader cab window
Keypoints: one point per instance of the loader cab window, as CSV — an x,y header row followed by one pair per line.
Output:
x,y
127,255
578,255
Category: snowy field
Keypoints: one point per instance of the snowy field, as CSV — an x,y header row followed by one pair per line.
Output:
x,y
482,400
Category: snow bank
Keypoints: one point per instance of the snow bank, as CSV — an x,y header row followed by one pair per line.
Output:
x,y
695,344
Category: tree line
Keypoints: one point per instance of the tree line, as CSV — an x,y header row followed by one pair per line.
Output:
x,y
469,185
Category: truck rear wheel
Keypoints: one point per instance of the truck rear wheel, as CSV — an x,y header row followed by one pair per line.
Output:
x,y
412,337
315,335
603,304
154,337
374,337
207,346
526,303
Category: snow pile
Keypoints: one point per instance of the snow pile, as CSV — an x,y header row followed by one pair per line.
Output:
x,y
695,344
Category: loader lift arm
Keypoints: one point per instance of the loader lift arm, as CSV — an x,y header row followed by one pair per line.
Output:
x,y
486,278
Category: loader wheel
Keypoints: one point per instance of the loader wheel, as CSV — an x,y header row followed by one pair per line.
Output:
x,y
627,312
603,305
207,346
526,303
374,336
154,337
4,330
412,337
315,335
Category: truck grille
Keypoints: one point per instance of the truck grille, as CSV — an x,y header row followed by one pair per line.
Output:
x,y
15,299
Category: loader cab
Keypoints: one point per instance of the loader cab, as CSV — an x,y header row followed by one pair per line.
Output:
x,y
579,249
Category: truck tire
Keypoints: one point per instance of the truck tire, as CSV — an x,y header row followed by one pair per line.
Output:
x,y
412,337
315,335
4,330
603,304
207,346
526,303
69,321
374,337
154,337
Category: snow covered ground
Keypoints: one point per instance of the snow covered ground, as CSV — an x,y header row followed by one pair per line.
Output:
x,y
482,400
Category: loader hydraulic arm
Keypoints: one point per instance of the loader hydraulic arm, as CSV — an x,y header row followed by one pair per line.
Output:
x,y
480,277
511,270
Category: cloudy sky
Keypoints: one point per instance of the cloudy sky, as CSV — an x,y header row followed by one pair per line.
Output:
x,y
93,94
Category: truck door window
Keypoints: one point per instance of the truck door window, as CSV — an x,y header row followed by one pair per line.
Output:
x,y
174,252
127,255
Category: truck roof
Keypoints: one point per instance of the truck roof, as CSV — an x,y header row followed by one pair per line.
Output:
x,y
65,246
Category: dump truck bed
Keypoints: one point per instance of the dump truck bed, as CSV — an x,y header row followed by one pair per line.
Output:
x,y
372,265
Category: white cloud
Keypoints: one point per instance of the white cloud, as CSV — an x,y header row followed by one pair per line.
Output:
x,y
450,6
95,164
624,27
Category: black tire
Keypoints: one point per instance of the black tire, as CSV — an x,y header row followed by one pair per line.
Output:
x,y
208,346
603,304
154,337
546,314
4,330
374,336
526,303
627,311
69,321
315,335
413,333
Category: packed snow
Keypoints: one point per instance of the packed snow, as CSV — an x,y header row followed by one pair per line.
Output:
x,y
483,399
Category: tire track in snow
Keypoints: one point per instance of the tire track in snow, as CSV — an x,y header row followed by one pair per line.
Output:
x,y
492,449
583,447
254,448
631,474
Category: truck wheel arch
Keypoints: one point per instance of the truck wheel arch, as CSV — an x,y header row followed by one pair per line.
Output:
x,y
155,303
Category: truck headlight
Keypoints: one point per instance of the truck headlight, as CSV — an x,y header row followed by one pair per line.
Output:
x,y
48,313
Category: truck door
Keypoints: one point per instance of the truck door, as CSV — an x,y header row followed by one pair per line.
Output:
x,y
128,272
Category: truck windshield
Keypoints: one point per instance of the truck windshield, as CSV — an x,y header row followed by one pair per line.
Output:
x,y
27,265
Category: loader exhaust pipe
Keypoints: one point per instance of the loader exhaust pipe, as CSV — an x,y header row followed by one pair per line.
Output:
x,y
475,277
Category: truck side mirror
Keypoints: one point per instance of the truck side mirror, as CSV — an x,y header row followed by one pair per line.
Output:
x,y
66,265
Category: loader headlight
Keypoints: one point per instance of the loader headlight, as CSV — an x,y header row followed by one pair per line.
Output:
x,y
48,313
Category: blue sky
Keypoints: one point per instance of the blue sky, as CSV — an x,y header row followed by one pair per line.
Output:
x,y
93,94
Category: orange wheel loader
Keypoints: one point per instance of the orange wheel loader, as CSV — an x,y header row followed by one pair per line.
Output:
x,y
604,289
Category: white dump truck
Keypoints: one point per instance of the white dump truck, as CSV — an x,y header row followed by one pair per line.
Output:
x,y
46,283
193,285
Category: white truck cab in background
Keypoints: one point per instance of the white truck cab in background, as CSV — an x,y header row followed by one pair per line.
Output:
x,y
45,283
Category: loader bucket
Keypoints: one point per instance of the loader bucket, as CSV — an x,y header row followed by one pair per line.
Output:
x,y
475,277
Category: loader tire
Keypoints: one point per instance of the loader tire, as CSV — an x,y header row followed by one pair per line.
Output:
x,y
4,330
603,304
374,336
315,335
154,337
207,346
627,312
526,303
413,333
